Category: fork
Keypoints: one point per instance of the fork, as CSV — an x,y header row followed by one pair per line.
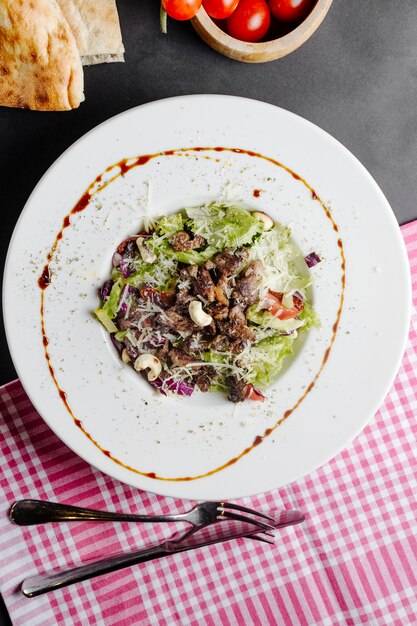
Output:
x,y
29,512
180,542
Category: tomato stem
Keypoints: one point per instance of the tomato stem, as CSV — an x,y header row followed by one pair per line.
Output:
x,y
163,20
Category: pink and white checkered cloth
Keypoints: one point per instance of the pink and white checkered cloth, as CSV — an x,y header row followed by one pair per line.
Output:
x,y
354,560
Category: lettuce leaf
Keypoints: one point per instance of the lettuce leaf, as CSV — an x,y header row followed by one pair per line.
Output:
x,y
170,224
224,225
309,317
264,360
107,322
111,304
265,319
279,256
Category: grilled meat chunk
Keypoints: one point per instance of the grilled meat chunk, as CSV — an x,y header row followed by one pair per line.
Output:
x,y
220,343
217,311
205,377
182,242
236,329
179,358
246,291
228,262
237,388
204,285
220,290
171,320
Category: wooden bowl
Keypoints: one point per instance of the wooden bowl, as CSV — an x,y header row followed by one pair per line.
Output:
x,y
262,51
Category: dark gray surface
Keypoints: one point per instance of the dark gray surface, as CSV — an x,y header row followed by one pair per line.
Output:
x,y
356,78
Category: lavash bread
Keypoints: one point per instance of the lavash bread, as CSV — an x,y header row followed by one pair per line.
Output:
x,y
40,65
96,28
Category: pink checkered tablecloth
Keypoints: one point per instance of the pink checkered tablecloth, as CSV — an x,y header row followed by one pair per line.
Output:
x,y
354,560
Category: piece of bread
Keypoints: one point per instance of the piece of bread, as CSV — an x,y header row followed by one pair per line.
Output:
x,y
96,28
40,66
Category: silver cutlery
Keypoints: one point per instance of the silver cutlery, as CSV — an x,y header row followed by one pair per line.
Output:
x,y
29,512
197,537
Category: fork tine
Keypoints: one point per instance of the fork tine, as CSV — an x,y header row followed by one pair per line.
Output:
x,y
242,518
258,538
237,507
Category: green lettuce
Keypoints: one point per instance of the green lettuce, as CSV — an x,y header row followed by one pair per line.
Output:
x,y
309,317
265,319
224,225
107,322
264,360
170,224
279,256
110,306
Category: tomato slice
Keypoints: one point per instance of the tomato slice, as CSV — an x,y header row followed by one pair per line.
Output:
x,y
254,394
273,303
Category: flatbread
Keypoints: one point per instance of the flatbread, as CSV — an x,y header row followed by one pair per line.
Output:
x,y
96,28
40,66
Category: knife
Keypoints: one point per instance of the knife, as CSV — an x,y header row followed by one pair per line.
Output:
x,y
195,538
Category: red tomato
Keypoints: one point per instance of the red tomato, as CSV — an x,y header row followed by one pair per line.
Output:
x,y
273,303
181,9
249,21
290,10
254,394
220,9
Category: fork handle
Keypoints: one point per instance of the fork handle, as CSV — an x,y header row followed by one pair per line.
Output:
x,y
30,512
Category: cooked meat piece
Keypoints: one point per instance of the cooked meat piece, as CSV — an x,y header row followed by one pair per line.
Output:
x,y
181,242
220,290
237,388
236,314
132,350
228,263
209,265
217,311
205,377
237,346
184,297
134,319
164,299
179,358
247,288
221,343
204,285
183,274
210,330
162,352
236,330
195,344
193,270
174,321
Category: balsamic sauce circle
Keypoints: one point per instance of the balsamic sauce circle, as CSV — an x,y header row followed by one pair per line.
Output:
x,y
45,279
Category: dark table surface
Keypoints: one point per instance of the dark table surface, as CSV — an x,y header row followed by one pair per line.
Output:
x,y
356,78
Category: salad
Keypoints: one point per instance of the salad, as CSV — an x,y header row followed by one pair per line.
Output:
x,y
208,299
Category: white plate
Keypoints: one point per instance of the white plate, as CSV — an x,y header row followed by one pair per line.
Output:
x,y
180,437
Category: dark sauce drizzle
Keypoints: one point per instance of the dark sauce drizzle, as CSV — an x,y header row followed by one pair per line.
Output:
x,y
122,167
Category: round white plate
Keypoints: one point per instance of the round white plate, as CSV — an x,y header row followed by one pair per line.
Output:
x,y
134,434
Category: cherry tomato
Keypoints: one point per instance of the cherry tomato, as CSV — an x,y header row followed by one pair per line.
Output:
x,y
273,303
254,394
249,21
181,9
220,9
290,10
